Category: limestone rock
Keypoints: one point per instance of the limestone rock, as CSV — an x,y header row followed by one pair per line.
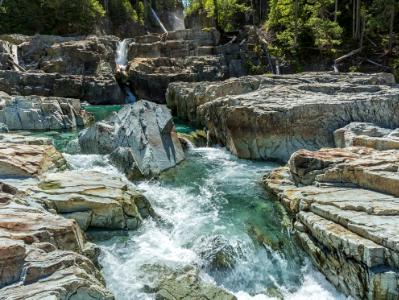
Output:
x,y
141,139
270,117
93,199
41,113
367,135
29,160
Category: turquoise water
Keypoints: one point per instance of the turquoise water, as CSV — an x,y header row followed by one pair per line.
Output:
x,y
210,201
101,112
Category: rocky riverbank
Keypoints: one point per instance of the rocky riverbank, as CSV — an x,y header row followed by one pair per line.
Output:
x,y
345,203
270,117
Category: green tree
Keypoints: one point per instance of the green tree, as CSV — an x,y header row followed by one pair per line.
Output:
x,y
49,16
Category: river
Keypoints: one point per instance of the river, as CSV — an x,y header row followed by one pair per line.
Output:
x,y
212,203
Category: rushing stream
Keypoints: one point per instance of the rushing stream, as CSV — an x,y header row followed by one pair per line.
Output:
x,y
211,202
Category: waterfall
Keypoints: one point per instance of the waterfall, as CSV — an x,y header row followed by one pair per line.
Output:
x,y
131,98
121,54
154,14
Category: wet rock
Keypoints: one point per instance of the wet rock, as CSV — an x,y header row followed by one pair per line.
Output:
x,y
197,138
93,199
41,113
29,160
346,204
348,232
3,128
367,135
8,56
270,117
183,284
217,253
141,139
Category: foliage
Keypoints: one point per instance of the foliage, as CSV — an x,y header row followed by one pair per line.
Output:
x,y
227,11
49,16
122,11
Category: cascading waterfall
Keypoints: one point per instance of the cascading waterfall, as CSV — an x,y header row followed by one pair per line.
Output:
x,y
154,14
121,61
121,54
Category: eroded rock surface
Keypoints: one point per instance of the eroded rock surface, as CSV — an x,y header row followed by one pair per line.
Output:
x,y
189,55
43,255
367,135
41,113
141,139
262,117
346,206
71,67
23,160
93,199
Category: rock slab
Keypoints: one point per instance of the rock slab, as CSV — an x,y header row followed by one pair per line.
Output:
x,y
141,139
271,117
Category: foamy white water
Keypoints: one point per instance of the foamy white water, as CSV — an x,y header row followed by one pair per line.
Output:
x,y
211,196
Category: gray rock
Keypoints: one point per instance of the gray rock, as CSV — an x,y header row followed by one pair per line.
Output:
x,y
367,135
41,113
270,117
182,284
3,128
70,67
141,139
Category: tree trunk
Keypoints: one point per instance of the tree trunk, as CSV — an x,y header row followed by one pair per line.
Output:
x,y
296,8
391,27
336,11
354,19
216,12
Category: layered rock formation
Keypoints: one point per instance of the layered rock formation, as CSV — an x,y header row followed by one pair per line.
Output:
x,y
44,255
23,160
262,117
187,55
41,113
93,199
71,67
141,139
346,206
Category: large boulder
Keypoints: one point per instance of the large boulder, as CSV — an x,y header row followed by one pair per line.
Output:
x,y
93,199
43,255
141,139
41,113
270,117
